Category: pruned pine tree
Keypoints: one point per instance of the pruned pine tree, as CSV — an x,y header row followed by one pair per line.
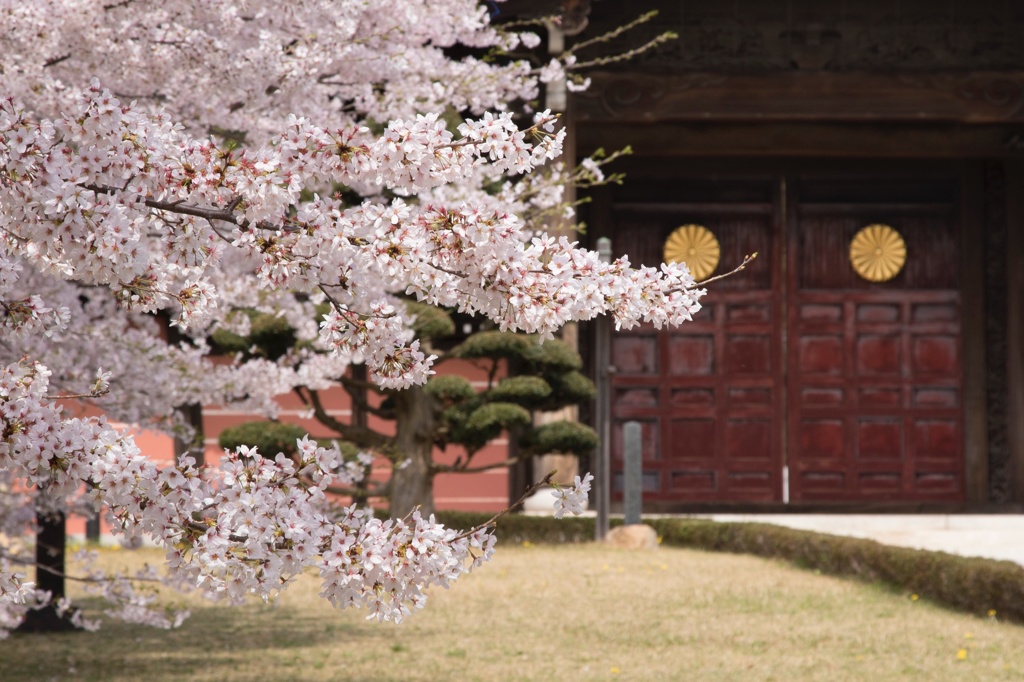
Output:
x,y
448,413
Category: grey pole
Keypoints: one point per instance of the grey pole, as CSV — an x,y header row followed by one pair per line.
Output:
x,y
603,405
632,475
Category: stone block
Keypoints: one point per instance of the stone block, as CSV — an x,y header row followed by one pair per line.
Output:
x,y
633,536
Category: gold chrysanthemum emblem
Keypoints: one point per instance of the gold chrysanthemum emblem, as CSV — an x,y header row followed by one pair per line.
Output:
x,y
696,246
878,253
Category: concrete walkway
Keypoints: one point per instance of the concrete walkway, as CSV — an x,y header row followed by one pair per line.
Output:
x,y
995,536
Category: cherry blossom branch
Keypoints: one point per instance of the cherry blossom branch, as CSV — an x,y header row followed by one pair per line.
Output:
x,y
628,54
614,33
226,215
141,198
491,522
56,60
345,310
746,261
78,578
116,5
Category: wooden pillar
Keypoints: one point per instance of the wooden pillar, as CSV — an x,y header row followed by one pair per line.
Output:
x,y
1015,322
972,311
601,370
566,466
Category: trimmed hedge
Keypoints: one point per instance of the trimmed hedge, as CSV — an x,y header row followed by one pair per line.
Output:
x,y
517,528
973,585
967,584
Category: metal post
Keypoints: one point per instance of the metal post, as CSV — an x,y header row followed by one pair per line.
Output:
x,y
602,367
632,474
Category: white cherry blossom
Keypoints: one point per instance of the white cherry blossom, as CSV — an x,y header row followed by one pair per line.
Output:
x,y
572,499
166,168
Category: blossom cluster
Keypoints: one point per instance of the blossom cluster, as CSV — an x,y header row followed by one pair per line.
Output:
x,y
183,162
236,65
246,527
151,186
572,499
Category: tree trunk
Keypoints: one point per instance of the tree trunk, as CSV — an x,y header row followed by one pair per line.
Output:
x,y
193,415
412,484
360,419
50,569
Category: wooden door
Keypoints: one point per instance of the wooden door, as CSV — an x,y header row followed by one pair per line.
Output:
x,y
709,394
875,371
799,380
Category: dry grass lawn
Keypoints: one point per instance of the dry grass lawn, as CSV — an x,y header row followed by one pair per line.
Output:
x,y
558,613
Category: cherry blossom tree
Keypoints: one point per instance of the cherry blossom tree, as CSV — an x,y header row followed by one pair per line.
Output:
x,y
192,161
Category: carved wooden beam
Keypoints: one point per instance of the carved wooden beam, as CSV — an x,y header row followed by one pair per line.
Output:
x,y
947,97
802,138
574,14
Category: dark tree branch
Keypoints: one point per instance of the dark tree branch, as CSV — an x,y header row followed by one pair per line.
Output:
x,y
226,215
356,390
56,60
492,373
379,490
351,384
361,436
466,469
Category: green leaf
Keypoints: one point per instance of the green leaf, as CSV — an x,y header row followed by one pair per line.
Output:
x,y
473,428
497,417
569,388
554,355
272,335
527,391
561,436
494,344
431,322
551,355
449,388
229,342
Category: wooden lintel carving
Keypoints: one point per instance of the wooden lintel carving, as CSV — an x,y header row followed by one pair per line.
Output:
x,y
573,15
978,97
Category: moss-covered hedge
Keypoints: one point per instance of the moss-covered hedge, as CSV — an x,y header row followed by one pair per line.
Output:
x,y
968,584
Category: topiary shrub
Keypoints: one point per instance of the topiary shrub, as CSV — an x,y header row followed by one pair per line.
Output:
x,y
564,436
528,391
269,438
270,336
449,388
430,322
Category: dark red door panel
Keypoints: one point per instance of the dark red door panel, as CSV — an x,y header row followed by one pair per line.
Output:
x,y
708,395
875,369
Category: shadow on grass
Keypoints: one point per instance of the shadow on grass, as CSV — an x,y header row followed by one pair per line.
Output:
x,y
213,638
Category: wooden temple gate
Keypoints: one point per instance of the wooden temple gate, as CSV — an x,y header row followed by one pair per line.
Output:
x,y
798,364
804,130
